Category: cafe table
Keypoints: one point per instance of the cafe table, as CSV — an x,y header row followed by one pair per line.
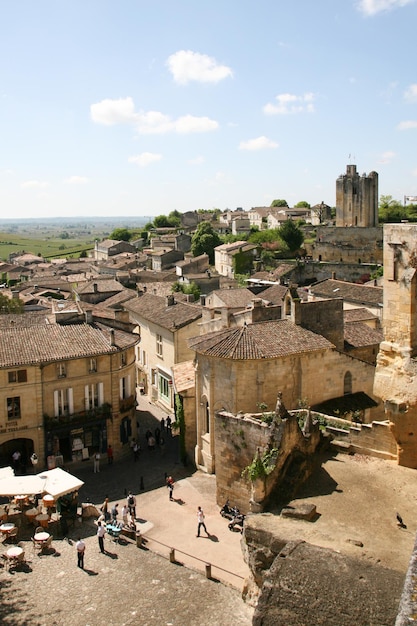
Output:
x,y
42,519
21,501
31,514
48,501
7,528
15,555
41,537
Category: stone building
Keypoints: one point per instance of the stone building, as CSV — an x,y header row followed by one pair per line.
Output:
x,y
66,389
164,326
241,368
396,369
357,199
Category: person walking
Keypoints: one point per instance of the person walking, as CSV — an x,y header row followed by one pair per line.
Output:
x,y
168,422
101,531
162,423
170,485
114,513
96,462
131,503
105,509
109,455
124,515
80,545
200,521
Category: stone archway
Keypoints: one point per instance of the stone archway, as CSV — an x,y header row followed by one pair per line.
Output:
x,y
22,445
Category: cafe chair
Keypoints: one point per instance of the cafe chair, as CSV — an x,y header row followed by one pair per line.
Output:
x,y
12,535
39,529
37,545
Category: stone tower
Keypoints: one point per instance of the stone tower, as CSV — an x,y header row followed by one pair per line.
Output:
x,y
396,369
357,198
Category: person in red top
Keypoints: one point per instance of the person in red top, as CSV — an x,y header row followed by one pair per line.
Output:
x,y
109,455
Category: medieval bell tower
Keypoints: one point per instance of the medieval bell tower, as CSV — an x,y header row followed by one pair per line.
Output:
x,y
357,198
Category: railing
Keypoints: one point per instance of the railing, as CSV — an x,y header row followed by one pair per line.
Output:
x,y
103,411
171,555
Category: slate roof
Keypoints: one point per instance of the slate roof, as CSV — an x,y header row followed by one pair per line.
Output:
x,y
359,335
262,340
352,292
154,309
53,342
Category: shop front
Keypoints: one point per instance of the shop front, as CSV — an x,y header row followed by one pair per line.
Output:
x,y
74,443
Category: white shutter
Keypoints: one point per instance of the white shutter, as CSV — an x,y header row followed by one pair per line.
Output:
x,y
121,388
100,394
70,401
86,398
128,385
56,403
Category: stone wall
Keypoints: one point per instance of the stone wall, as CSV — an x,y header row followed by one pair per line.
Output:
x,y
348,245
238,439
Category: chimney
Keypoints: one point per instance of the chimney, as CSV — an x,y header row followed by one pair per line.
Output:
x,y
95,287
88,317
112,342
203,299
170,300
256,303
333,275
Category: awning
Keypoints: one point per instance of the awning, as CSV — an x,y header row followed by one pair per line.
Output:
x,y
55,482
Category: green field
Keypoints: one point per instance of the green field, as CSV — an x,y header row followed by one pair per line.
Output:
x,y
46,247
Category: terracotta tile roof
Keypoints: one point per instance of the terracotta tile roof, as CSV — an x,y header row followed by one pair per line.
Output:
x,y
234,298
154,309
103,286
352,292
26,346
262,340
359,335
358,315
15,320
184,376
274,294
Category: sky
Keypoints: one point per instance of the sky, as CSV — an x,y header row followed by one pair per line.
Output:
x,y
140,108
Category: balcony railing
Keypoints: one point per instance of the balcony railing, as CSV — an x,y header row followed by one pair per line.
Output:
x,y
126,404
80,417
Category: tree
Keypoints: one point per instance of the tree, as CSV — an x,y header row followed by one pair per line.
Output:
x,y
391,210
302,205
174,218
204,240
120,234
10,305
161,221
279,203
291,235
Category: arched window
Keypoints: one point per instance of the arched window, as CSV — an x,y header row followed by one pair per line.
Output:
x,y
347,383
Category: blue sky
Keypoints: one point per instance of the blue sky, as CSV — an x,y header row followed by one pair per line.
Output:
x,y
139,108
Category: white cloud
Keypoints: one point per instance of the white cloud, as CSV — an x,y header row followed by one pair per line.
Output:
x,y
287,103
372,7
122,111
407,125
410,95
186,66
76,180
260,143
386,157
111,112
144,159
35,184
197,161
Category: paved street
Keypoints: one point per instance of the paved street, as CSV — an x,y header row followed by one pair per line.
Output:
x,y
131,585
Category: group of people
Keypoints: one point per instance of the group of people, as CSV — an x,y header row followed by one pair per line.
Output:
x,y
109,516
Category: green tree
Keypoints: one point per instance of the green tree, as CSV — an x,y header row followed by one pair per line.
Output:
x,y
83,254
302,205
190,289
291,235
10,305
391,210
120,234
174,218
204,240
161,221
64,235
279,203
